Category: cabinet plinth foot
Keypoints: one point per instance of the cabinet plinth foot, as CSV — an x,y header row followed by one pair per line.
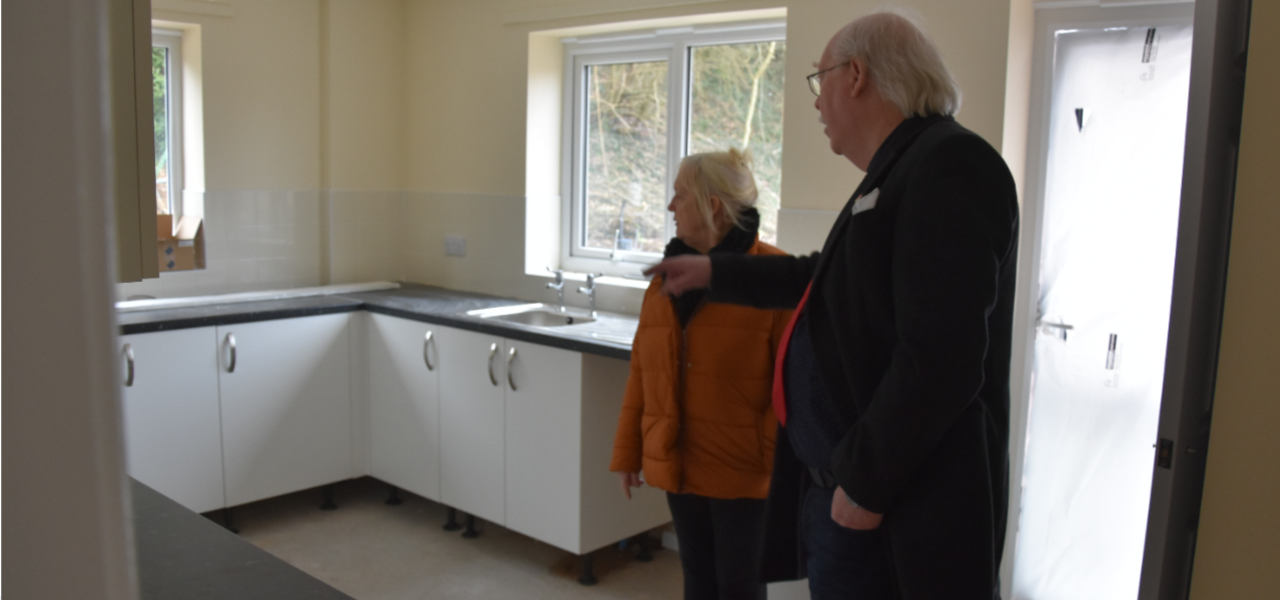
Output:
x,y
452,523
471,531
226,521
644,555
328,504
393,499
588,571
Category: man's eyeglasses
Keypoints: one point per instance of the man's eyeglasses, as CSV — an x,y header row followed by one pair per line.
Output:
x,y
815,80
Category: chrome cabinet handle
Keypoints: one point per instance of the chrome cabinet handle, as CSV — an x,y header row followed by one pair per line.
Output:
x,y
510,357
493,351
426,356
231,358
128,361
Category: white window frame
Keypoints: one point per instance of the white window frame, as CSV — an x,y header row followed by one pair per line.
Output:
x,y
672,45
171,40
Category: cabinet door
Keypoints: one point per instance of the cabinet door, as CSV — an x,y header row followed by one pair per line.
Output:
x,y
173,441
543,442
404,404
286,405
472,373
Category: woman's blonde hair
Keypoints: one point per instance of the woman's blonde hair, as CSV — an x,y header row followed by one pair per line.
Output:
x,y
725,175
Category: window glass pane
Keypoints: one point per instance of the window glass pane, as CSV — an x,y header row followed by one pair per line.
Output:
x,y
626,157
160,93
736,101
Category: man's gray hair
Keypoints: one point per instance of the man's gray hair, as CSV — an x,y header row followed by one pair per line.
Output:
x,y
904,64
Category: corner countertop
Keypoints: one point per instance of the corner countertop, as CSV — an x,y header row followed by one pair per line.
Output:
x,y
609,336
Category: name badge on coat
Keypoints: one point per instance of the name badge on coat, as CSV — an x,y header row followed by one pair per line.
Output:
x,y
866,202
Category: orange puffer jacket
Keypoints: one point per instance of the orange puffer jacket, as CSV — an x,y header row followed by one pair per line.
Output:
x,y
697,417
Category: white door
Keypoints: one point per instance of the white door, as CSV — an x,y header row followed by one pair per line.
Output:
x,y
404,399
472,373
543,442
1110,199
286,405
173,441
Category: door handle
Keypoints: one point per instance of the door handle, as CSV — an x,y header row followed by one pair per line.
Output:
x,y
426,356
1062,328
493,351
128,361
1055,325
231,353
510,357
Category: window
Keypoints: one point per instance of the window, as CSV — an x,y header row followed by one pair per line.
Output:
x,y
166,73
637,103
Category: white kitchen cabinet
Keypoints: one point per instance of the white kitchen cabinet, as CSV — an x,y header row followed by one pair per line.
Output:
x,y
543,395
472,405
250,411
525,441
286,405
173,440
404,404
562,410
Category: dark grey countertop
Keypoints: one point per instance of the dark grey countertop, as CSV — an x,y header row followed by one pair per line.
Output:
x,y
165,319
184,556
428,304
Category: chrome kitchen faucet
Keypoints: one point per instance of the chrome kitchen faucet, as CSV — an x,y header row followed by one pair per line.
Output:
x,y
558,286
590,291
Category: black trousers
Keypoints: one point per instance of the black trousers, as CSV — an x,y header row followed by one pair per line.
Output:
x,y
721,542
843,563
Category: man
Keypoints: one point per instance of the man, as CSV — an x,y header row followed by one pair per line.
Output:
x,y
894,386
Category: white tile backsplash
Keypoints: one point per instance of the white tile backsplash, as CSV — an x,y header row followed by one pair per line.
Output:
x,y
260,240
254,240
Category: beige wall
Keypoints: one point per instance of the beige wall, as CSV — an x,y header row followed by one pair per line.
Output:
x,y
467,107
1239,542
301,98
973,37
364,102
327,120
262,95
287,81
467,91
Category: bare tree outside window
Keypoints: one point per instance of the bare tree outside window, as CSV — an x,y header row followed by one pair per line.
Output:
x,y
638,102
737,101
160,99
626,156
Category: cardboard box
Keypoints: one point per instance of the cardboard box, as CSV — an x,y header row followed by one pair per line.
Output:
x,y
164,227
181,248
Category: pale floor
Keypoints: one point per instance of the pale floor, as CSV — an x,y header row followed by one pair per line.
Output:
x,y
372,551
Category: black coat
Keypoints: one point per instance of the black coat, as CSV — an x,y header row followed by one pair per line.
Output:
x,y
910,319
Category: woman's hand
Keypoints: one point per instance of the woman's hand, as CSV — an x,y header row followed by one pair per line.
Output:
x,y
629,480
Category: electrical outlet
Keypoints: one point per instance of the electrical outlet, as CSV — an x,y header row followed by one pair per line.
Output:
x,y
455,245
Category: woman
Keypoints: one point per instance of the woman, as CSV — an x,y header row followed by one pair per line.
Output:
x,y
697,417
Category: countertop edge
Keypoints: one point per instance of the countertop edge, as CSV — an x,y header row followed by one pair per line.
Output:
x,y
571,343
237,318
184,556
334,304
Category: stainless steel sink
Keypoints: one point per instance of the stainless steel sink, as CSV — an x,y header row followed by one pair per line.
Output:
x,y
535,315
